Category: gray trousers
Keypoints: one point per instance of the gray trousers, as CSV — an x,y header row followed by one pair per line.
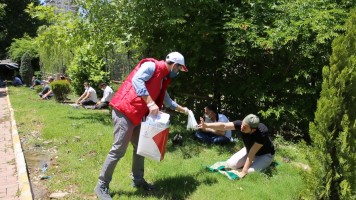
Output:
x,y
260,163
124,132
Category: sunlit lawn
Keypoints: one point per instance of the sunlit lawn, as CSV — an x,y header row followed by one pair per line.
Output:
x,y
78,141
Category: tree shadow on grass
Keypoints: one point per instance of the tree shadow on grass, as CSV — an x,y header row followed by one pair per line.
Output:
x,y
97,117
173,188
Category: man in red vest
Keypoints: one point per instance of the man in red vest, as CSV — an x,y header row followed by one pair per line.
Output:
x,y
143,92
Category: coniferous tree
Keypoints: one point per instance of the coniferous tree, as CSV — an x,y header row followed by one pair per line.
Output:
x,y
26,70
333,131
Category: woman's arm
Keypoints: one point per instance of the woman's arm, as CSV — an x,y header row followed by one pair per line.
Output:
x,y
216,125
45,95
213,131
81,97
86,96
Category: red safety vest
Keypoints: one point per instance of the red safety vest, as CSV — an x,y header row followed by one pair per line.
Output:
x,y
134,107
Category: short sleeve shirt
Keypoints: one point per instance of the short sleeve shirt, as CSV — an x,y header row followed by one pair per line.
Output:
x,y
223,118
260,136
92,94
108,94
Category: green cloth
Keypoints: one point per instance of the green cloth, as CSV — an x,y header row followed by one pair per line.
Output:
x,y
221,168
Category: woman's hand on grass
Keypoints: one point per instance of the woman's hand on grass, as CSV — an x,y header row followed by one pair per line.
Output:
x,y
241,174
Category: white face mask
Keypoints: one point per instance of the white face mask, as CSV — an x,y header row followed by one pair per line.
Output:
x,y
86,87
207,118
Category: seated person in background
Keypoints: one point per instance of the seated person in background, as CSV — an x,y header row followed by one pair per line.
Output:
x,y
17,81
88,97
107,96
35,82
213,136
47,92
258,151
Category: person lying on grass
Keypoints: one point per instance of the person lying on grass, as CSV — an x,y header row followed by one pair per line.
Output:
x,y
258,151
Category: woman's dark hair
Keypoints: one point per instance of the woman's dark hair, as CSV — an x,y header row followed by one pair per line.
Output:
x,y
214,108
103,84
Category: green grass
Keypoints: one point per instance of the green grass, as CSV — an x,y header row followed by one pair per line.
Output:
x,y
78,141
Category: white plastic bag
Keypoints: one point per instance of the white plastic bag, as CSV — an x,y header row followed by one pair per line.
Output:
x,y
153,137
192,123
160,121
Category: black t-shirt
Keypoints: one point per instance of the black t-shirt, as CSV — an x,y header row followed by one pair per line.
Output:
x,y
260,136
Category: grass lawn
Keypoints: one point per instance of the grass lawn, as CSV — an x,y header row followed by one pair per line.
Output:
x,y
76,142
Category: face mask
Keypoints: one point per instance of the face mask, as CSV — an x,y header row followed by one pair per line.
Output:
x,y
207,118
173,74
85,88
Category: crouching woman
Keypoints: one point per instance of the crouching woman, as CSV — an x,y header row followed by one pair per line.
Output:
x,y
258,151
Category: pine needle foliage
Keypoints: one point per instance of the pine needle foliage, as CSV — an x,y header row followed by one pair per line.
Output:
x,y
333,130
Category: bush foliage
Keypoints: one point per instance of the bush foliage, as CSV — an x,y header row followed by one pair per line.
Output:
x,y
264,57
60,89
26,70
87,67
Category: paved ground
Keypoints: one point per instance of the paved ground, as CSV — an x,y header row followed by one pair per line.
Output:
x,y
14,182
8,172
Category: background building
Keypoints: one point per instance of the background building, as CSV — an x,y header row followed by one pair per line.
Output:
x,y
65,5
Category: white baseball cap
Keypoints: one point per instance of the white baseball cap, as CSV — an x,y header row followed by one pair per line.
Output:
x,y
176,57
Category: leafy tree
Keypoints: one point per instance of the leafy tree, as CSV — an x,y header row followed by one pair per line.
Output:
x,y
101,26
2,13
97,26
21,46
2,10
275,53
194,28
263,56
16,22
56,40
26,70
86,66
334,128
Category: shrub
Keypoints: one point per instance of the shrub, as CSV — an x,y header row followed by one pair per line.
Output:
x,y
87,66
26,70
60,89
333,130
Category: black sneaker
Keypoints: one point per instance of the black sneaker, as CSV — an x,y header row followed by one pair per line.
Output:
x,y
177,140
102,192
143,184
